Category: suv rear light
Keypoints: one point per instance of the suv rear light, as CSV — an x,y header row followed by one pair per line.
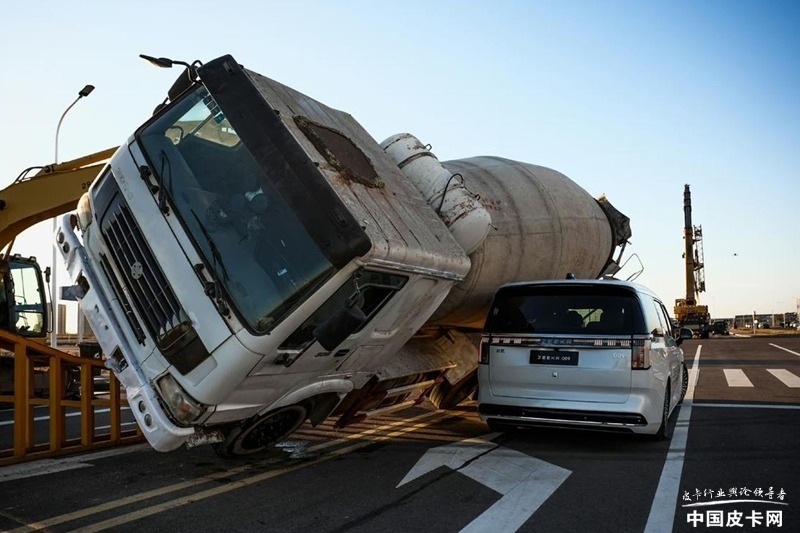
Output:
x,y
483,357
640,356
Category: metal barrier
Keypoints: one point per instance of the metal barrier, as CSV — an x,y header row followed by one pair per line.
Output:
x,y
42,376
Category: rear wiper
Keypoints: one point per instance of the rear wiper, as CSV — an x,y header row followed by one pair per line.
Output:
x,y
211,288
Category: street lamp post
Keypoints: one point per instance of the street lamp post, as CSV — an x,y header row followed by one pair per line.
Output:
x,y
86,91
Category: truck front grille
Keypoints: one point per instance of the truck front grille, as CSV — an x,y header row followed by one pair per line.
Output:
x,y
123,300
146,283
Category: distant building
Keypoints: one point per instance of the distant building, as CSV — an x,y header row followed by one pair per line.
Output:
x,y
780,320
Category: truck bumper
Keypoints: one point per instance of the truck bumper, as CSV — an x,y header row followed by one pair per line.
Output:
x,y
155,424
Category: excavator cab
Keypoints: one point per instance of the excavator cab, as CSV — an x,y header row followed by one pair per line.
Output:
x,y
23,307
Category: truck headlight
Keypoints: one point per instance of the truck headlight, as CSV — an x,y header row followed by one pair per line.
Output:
x,y
183,407
84,212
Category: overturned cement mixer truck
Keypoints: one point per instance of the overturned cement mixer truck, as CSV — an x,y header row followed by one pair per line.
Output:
x,y
251,259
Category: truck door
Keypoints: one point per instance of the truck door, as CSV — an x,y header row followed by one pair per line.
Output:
x,y
319,343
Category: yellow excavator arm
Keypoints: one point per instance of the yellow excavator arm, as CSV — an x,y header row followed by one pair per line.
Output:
x,y
54,190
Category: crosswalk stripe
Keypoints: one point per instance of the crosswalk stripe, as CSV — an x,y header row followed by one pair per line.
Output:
x,y
786,377
736,378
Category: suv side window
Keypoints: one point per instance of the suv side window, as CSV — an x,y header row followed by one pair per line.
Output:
x,y
651,316
663,323
668,321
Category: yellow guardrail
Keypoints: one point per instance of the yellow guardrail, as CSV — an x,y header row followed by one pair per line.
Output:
x,y
43,376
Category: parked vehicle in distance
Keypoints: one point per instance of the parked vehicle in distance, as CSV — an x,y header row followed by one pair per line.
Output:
x,y
596,354
719,327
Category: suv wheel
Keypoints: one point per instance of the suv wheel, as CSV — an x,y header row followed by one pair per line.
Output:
x,y
664,432
684,382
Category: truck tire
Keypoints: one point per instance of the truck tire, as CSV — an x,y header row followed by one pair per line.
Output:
x,y
259,433
447,396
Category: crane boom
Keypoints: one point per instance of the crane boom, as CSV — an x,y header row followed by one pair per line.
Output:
x,y
54,190
687,311
688,241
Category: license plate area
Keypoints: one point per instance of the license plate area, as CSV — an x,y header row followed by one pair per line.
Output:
x,y
554,357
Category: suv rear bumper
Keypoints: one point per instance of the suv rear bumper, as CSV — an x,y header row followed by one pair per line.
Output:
x,y
560,416
641,413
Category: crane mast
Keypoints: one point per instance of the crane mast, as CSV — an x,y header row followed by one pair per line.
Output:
x,y
687,311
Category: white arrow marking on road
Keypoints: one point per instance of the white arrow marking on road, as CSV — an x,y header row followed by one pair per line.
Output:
x,y
524,481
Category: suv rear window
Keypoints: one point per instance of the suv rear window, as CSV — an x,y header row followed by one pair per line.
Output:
x,y
565,309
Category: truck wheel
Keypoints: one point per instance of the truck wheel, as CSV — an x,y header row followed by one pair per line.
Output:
x,y
447,396
258,434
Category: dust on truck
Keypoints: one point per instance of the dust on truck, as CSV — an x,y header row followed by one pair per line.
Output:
x,y
251,259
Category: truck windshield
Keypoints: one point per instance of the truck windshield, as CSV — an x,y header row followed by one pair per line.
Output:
x,y
256,249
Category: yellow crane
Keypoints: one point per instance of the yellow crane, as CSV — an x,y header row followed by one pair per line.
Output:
x,y
53,189
688,312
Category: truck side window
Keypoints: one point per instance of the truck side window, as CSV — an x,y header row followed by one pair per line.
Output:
x,y
366,291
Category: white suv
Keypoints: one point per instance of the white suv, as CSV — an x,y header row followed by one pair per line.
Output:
x,y
598,354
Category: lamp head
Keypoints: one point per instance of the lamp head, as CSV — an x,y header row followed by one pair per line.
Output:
x,y
182,83
165,62
86,91
162,62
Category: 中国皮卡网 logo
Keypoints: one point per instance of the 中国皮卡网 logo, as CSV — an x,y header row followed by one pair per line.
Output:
x,y
738,507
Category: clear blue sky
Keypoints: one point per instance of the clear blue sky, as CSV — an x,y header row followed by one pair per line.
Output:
x,y
630,99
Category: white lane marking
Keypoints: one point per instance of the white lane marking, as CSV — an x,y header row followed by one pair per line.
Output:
x,y
50,466
122,424
736,378
784,349
786,377
450,455
524,481
38,468
694,375
665,500
747,406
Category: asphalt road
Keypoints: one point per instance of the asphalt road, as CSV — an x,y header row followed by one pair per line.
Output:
x,y
733,457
